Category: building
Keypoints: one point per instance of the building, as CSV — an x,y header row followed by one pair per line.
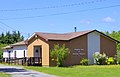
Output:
x,y
82,44
17,50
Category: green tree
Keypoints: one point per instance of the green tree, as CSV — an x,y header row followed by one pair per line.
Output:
x,y
2,38
9,38
59,54
22,38
14,37
2,45
18,36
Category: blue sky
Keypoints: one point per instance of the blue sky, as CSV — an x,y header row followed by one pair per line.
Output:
x,y
107,19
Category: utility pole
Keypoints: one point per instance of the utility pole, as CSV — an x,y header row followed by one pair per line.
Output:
x,y
28,35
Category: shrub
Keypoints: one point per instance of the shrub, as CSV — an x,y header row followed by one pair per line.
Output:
x,y
85,61
59,54
110,60
117,58
101,59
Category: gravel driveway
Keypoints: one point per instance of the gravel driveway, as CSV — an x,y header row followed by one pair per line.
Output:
x,y
16,71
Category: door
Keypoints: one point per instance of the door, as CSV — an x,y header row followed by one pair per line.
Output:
x,y
37,51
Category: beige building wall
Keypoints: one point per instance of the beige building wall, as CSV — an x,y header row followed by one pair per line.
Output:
x,y
45,49
107,46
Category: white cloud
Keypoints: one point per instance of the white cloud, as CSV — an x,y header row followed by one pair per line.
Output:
x,y
108,19
85,21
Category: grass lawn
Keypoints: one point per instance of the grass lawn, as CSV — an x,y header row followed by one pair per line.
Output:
x,y
4,75
81,71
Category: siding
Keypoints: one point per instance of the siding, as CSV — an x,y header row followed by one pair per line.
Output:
x,y
20,51
107,46
6,54
74,57
45,49
78,50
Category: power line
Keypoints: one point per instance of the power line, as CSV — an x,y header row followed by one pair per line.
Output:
x,y
65,13
53,7
27,35
7,25
2,29
10,27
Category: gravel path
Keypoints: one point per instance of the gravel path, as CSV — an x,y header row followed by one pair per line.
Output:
x,y
16,71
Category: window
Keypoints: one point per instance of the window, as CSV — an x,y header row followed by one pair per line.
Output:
x,y
36,50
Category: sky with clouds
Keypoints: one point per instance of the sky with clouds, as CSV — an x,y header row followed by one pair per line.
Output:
x,y
59,16
108,19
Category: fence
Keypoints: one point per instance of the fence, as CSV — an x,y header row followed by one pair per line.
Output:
x,y
31,61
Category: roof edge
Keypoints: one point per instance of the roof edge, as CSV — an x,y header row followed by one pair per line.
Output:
x,y
88,33
107,36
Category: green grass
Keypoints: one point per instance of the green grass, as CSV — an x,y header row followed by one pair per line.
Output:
x,y
4,75
81,71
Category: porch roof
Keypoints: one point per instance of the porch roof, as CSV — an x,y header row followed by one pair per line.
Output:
x,y
7,47
16,44
20,43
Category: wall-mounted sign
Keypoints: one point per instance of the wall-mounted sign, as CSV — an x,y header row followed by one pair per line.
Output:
x,y
75,54
77,49
78,52
82,53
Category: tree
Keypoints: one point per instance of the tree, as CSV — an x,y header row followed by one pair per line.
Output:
x,y
18,36
8,38
22,38
1,51
14,35
2,38
59,54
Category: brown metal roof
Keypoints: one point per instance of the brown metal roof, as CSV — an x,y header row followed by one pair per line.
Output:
x,y
69,36
65,36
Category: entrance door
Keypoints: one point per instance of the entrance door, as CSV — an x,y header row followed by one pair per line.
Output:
x,y
37,51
